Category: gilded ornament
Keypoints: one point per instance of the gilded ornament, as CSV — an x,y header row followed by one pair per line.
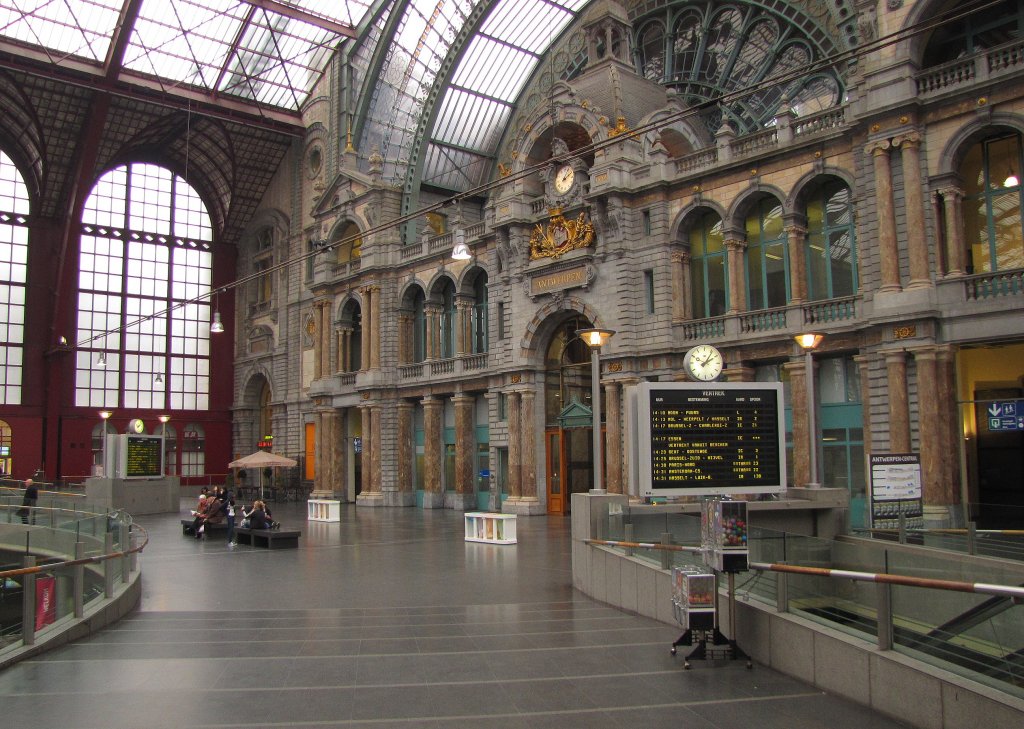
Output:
x,y
504,171
982,101
621,127
560,236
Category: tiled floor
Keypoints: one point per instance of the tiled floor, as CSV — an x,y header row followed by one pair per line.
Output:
x,y
390,619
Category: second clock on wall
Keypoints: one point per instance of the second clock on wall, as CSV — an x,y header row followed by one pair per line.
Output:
x,y
704,363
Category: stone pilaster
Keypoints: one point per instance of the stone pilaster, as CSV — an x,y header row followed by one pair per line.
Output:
x,y
528,427
898,399
888,250
406,446
367,495
433,456
364,363
917,242
463,322
799,285
318,340
325,336
464,497
515,451
929,427
735,252
433,316
681,286
613,437
320,476
952,201
797,370
375,314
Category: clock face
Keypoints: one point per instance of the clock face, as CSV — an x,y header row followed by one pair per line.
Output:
x,y
704,363
564,178
137,426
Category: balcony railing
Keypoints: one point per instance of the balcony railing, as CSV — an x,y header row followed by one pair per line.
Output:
x,y
765,320
980,68
824,312
994,285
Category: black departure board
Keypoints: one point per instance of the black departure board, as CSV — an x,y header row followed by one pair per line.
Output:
x,y
142,456
718,438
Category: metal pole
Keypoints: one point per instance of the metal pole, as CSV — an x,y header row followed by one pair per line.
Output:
x,y
812,422
595,401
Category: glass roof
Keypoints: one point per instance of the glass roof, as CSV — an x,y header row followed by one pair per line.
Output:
x,y
495,65
267,51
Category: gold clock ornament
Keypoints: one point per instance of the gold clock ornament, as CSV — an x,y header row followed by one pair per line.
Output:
x,y
704,363
565,176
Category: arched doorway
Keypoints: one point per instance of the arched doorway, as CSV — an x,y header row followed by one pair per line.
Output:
x,y
568,417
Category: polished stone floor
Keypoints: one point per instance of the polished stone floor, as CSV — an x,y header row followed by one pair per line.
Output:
x,y
390,619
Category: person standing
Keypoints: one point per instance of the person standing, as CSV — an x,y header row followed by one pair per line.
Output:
x,y
28,503
229,512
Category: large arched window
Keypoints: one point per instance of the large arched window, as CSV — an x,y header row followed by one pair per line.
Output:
x,y
347,243
14,209
709,270
144,262
831,249
975,32
479,324
767,257
419,327
992,205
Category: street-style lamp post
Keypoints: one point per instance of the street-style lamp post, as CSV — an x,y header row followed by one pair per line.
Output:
x,y
105,415
163,444
595,339
809,342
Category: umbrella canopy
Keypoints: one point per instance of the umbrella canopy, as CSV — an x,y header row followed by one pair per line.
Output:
x,y
261,459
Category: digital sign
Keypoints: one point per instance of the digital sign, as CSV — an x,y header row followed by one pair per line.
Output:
x,y
142,456
710,438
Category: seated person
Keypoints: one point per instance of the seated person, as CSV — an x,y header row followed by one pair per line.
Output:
x,y
257,517
212,512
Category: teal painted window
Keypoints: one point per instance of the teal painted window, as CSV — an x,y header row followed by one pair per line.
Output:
x,y
993,230
767,257
709,270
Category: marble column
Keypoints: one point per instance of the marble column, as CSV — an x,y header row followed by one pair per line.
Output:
x,y
375,329
528,427
364,333
613,437
433,456
463,321
898,400
405,448
515,438
376,416
343,335
949,418
735,252
367,495
318,340
320,481
433,316
956,249
797,370
929,427
917,240
325,335
680,286
799,284
465,453
406,339
888,250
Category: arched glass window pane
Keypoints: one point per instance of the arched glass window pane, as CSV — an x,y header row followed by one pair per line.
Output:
x,y
479,325
831,249
993,227
767,257
708,268
144,263
14,203
651,49
193,450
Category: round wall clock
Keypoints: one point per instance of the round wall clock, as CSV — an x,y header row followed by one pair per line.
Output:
x,y
564,177
137,426
703,363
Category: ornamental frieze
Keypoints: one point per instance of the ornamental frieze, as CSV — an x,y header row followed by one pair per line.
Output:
x,y
560,236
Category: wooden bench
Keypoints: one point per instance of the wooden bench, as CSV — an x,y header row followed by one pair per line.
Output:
x,y
269,538
218,528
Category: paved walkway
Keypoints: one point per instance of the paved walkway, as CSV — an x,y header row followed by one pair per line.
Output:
x,y
390,619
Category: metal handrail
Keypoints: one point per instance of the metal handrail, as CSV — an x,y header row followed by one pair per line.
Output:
x,y
96,559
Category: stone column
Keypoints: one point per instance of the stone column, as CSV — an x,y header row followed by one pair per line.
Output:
x,y
930,429
917,242
680,286
320,482
318,340
888,250
406,338
864,363
432,312
515,440
799,284
433,456
613,437
339,450
465,452
367,495
952,201
325,334
736,249
364,363
405,449
374,354
335,456
376,453
529,503
463,321
949,418
797,370
342,336
899,406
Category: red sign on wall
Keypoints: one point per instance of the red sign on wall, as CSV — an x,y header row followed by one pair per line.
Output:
x,y
46,601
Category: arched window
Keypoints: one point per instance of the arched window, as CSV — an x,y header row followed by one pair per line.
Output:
x,y
348,243
14,209
5,448
266,414
975,32
767,257
651,51
419,327
351,338
992,205
144,262
709,270
479,325
263,261
831,250
448,319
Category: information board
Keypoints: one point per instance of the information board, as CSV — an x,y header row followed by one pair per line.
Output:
x,y
896,490
704,439
142,456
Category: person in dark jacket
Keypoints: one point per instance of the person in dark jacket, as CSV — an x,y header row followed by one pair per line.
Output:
x,y
28,503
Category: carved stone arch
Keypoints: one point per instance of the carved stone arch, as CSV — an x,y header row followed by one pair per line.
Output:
x,y
543,324
267,218
347,307
796,205
952,154
436,285
468,279
677,138
912,46
341,240
407,293
686,217
742,203
254,378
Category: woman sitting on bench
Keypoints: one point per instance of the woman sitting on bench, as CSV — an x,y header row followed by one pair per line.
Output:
x,y
256,518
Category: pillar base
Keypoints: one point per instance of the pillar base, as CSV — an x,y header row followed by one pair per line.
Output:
x,y
399,498
524,505
459,502
938,516
433,500
374,498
